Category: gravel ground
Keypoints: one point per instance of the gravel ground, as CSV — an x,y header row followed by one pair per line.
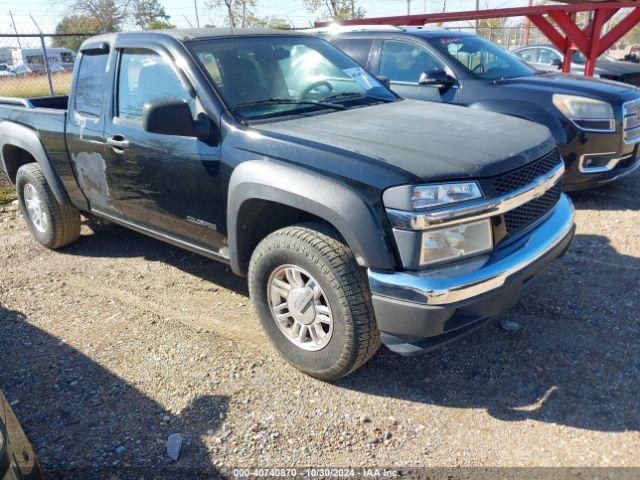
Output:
x,y
118,341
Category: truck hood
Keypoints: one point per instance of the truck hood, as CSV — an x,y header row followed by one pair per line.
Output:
x,y
432,141
570,84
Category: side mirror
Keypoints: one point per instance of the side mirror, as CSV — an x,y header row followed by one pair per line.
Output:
x,y
173,116
436,78
556,62
383,80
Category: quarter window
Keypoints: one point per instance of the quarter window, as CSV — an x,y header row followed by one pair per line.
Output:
x,y
530,55
145,76
91,82
356,48
405,62
548,56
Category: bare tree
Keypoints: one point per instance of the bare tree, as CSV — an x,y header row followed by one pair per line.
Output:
x,y
336,9
238,12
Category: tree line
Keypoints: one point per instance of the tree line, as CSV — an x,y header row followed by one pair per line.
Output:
x,y
105,16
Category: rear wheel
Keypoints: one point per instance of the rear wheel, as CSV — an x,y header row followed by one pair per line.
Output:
x,y
52,224
313,300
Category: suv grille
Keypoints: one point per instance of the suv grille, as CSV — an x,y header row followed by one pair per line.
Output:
x,y
524,176
631,114
522,217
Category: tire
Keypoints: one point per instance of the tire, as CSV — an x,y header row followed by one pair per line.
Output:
x,y
315,253
52,225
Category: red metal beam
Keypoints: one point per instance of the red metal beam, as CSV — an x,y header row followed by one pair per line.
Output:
x,y
571,30
550,31
596,31
480,14
619,31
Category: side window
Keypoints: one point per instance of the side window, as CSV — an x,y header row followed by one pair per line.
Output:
x,y
548,56
90,86
356,48
145,76
529,55
405,62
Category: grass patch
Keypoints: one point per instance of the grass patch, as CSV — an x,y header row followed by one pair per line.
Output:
x,y
37,86
7,190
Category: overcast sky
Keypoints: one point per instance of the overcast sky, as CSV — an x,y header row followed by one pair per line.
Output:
x,y
48,12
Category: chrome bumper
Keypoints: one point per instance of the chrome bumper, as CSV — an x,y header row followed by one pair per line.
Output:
x,y
482,275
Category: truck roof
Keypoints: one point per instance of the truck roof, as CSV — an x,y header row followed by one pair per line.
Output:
x,y
187,34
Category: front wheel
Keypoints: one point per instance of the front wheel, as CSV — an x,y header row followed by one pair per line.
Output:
x,y
313,301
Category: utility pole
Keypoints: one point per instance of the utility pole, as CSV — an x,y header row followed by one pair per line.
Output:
x,y
195,4
13,22
477,21
408,7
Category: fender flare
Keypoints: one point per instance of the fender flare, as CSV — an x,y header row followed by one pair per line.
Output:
x,y
336,203
527,111
16,135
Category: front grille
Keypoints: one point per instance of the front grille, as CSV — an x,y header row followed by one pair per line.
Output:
x,y
525,175
522,217
631,113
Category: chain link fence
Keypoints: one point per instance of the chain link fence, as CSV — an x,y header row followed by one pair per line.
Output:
x,y
33,65
508,38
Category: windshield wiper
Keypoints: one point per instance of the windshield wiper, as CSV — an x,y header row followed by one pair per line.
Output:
x,y
287,101
355,95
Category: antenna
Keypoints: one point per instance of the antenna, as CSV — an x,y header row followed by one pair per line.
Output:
x,y
185,17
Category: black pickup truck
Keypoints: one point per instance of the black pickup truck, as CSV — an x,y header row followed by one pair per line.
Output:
x,y
596,123
358,217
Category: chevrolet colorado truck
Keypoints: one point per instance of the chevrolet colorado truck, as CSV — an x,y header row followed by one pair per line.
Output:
x,y
596,123
358,217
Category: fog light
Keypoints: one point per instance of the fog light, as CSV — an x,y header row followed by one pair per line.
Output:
x,y
456,242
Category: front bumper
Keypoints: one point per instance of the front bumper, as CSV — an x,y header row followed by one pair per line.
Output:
x,y
419,311
620,158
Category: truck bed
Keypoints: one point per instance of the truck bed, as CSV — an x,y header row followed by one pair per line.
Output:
x,y
58,102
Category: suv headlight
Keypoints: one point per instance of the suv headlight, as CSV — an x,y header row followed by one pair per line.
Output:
x,y
586,113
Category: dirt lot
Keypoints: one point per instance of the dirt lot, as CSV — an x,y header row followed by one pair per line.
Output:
x,y
114,343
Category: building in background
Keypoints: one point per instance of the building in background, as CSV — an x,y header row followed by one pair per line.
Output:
x,y
34,56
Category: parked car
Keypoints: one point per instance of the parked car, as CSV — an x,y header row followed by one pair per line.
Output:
x,y
27,70
5,71
357,216
17,458
548,58
595,123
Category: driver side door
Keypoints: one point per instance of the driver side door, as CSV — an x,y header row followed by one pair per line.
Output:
x,y
403,62
170,185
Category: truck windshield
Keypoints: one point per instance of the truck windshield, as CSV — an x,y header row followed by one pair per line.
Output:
x,y
483,58
271,76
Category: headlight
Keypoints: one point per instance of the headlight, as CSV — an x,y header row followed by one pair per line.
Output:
x,y
586,113
455,242
418,197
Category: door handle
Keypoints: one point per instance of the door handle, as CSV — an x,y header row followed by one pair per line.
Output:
x,y
118,143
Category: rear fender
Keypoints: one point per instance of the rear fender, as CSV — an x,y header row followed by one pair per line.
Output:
x,y
17,135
